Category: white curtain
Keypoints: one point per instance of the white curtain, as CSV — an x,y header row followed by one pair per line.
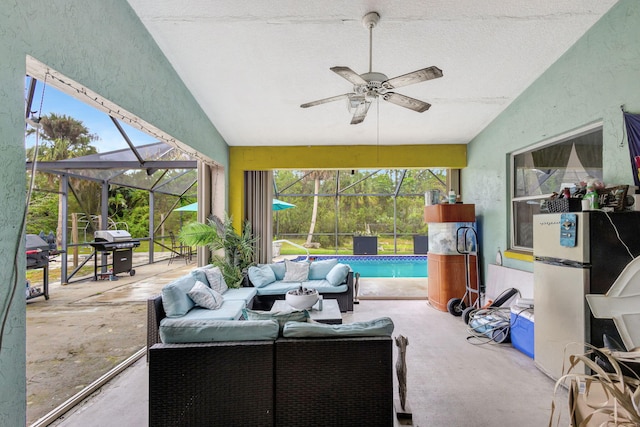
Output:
x,y
258,210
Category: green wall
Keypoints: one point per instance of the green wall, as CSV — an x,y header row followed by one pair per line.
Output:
x,y
588,84
103,46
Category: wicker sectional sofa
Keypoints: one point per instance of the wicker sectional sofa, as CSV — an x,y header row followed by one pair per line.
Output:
x,y
332,280
333,380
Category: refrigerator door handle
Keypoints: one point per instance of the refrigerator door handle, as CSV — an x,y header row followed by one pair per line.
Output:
x,y
561,262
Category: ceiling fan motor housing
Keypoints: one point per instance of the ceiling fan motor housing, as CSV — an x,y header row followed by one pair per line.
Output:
x,y
374,84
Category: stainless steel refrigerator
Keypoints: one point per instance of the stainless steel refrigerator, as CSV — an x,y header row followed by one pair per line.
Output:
x,y
576,254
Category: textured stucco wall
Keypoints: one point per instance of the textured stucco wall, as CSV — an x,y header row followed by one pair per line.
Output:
x,y
588,84
103,46
12,194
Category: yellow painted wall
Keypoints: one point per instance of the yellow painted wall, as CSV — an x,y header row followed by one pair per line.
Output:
x,y
243,159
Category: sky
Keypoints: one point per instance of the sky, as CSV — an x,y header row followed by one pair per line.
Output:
x,y
96,121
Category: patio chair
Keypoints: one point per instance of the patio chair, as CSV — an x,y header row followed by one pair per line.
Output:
x,y
178,250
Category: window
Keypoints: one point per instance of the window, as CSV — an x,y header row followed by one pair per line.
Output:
x,y
547,168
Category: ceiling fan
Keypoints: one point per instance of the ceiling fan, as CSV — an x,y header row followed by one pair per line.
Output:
x,y
369,86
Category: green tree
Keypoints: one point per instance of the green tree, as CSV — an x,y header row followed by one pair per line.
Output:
x,y
63,138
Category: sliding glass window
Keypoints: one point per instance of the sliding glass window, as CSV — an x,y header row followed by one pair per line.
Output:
x,y
547,168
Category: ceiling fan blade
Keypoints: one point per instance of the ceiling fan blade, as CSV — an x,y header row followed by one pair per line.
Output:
x,y
414,77
361,112
325,100
406,102
349,74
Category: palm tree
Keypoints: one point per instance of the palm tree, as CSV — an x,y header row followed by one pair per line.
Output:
x,y
64,138
317,176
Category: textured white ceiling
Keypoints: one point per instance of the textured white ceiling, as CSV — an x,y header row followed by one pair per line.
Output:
x,y
250,64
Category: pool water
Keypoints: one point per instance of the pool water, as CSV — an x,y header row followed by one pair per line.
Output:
x,y
383,265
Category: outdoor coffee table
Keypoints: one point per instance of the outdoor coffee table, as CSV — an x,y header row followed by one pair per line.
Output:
x,y
330,312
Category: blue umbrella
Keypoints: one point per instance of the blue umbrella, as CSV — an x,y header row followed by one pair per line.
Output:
x,y
279,205
193,207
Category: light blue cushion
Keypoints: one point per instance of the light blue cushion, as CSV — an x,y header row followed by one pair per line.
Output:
x,y
281,316
261,275
191,331
279,269
245,294
318,270
229,310
381,327
278,288
175,300
324,287
338,274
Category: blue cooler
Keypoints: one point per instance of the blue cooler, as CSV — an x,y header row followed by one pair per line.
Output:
x,y
522,329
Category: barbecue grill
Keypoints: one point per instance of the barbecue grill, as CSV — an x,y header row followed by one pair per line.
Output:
x,y
37,251
120,245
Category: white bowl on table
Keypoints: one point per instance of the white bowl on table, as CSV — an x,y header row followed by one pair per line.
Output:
x,y
301,302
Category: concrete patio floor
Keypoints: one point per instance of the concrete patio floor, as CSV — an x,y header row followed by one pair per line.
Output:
x,y
451,382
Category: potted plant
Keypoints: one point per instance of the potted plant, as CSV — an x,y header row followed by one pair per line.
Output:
x,y
218,234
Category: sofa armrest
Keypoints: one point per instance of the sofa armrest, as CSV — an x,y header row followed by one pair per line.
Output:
x,y
345,300
349,282
155,313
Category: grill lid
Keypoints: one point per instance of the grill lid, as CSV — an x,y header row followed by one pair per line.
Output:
x,y
35,242
112,235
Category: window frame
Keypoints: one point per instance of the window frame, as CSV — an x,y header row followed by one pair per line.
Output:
x,y
593,127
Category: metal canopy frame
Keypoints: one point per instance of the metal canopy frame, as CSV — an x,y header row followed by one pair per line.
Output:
x,y
343,192
168,170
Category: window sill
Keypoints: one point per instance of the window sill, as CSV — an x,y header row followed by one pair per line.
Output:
x,y
519,255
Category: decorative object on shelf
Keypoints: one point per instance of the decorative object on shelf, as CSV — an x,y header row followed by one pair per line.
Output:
x,y
592,197
432,197
301,298
572,204
452,197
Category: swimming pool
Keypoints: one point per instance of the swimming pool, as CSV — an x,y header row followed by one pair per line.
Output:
x,y
382,265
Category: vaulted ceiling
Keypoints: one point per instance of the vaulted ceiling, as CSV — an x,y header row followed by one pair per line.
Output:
x,y
251,64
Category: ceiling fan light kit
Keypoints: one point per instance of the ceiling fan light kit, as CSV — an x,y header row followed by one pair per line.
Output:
x,y
373,85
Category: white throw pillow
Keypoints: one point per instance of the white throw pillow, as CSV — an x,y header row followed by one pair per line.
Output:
x,y
296,271
216,279
205,297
